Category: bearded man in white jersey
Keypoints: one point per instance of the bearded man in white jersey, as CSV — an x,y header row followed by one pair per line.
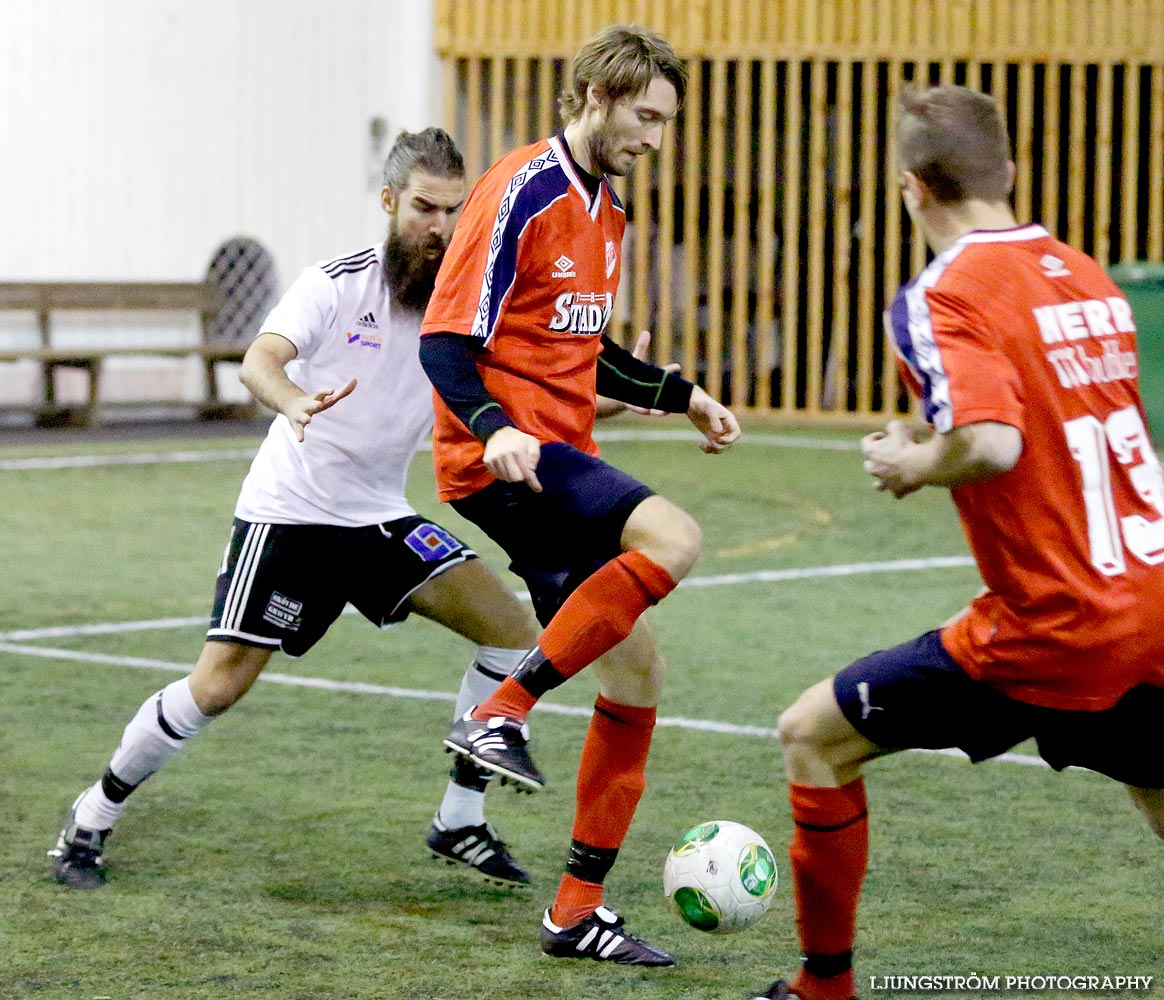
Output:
x,y
322,519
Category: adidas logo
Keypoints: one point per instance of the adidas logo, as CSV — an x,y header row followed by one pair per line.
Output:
x,y
368,322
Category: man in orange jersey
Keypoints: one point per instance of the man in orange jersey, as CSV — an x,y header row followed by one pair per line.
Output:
x,y
1023,353
513,340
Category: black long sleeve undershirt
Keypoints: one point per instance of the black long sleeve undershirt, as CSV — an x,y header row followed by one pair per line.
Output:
x,y
450,361
624,377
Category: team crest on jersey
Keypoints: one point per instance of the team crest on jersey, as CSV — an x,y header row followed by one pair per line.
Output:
x,y
611,257
582,312
431,542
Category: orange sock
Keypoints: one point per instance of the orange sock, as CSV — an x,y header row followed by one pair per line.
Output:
x,y
510,699
575,901
611,779
603,610
593,620
829,853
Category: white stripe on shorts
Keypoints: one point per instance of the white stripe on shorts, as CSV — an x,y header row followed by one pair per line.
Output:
x,y
244,576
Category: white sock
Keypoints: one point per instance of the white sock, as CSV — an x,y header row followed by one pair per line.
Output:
x,y
461,807
489,668
145,746
466,806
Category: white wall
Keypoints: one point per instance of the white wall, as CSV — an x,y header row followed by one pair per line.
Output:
x,y
138,134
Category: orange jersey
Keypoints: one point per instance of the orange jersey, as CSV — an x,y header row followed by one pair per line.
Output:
x,y
1018,328
531,272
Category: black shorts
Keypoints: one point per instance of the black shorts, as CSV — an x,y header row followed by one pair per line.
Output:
x,y
557,538
282,585
917,696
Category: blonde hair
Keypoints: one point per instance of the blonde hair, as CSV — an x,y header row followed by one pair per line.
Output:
x,y
622,59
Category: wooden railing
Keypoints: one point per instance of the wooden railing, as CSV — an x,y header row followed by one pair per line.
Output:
x,y
767,236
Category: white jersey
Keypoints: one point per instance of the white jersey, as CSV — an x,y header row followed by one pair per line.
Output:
x,y
351,468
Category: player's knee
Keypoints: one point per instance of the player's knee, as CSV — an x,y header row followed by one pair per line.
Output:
x,y
672,539
224,673
795,728
688,540
632,677
215,695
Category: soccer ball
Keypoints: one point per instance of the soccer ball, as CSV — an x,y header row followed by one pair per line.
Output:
x,y
720,877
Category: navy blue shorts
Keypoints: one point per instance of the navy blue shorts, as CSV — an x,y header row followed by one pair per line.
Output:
x,y
917,696
557,538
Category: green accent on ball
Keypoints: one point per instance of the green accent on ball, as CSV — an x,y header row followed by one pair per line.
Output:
x,y
757,870
695,838
696,908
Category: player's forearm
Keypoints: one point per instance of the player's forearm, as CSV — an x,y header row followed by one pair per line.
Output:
x,y
624,377
449,360
964,455
264,376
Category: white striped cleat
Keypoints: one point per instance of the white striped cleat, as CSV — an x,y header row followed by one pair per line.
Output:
x,y
480,848
498,745
601,937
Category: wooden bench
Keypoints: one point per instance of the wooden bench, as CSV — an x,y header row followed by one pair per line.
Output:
x,y
46,298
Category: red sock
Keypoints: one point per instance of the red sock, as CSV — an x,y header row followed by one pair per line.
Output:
x,y
603,610
829,852
575,901
510,699
593,620
611,779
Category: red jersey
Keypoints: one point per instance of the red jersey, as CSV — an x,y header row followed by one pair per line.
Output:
x,y
1018,328
531,272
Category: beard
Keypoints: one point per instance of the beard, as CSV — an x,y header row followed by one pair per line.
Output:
x,y
604,153
409,270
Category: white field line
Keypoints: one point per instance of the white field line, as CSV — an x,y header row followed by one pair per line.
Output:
x,y
138,458
10,641
721,580
233,454
361,688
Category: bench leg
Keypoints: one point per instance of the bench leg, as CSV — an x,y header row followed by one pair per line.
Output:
x,y
93,414
211,380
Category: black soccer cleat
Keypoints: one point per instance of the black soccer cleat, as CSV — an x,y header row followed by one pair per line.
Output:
x,y
498,745
779,990
480,848
77,859
601,937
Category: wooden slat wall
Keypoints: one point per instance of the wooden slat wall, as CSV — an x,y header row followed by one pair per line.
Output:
x,y
768,235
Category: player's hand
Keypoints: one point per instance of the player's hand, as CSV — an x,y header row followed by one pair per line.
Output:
x,y
513,455
715,421
301,409
642,346
885,453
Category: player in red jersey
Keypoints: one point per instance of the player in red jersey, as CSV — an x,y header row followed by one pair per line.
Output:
x,y
514,342
1023,353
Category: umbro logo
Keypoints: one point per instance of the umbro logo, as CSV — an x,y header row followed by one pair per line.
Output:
x,y
564,268
1053,267
368,322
